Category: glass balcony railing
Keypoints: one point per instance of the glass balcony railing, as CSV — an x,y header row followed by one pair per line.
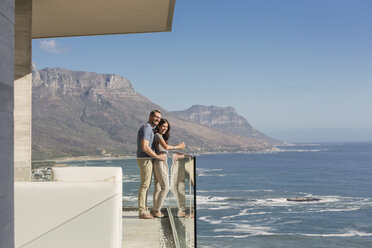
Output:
x,y
181,208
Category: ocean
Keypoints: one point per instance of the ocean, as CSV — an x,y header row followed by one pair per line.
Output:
x,y
242,198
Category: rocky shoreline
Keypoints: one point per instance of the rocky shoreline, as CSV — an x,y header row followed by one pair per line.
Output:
x,y
89,158
118,157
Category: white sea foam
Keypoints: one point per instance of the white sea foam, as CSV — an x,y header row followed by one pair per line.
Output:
x,y
278,202
210,175
220,208
207,219
244,212
130,198
207,170
349,233
247,229
131,181
325,204
208,200
255,232
234,190
233,236
131,178
334,210
329,199
290,222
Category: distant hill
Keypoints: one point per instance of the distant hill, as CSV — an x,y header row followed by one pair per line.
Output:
x,y
85,113
223,119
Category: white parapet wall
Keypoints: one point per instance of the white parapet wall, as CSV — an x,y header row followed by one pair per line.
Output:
x,y
81,209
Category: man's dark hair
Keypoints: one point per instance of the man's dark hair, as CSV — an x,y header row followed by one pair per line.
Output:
x,y
152,113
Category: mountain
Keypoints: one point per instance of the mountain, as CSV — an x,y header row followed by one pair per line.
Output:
x,y
223,119
84,113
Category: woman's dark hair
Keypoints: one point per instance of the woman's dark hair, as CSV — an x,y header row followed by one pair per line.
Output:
x,y
167,133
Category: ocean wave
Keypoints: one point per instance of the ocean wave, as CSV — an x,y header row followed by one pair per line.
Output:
x,y
254,206
282,201
290,222
212,203
349,233
237,236
131,181
130,198
200,172
131,178
237,199
210,175
247,229
243,213
235,190
210,200
207,219
333,210
207,170
220,207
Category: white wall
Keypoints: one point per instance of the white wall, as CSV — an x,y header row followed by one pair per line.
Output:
x,y
6,123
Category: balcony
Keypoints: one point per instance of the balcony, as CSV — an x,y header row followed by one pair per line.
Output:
x,y
93,203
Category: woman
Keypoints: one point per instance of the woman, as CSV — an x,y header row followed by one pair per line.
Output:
x,y
161,170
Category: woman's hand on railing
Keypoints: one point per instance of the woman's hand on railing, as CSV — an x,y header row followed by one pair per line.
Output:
x,y
181,145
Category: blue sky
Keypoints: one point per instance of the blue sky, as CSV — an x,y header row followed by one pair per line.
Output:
x,y
287,66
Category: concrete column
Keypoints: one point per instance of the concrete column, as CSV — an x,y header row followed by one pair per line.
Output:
x,y
22,90
6,123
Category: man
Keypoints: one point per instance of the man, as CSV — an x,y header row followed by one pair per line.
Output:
x,y
145,156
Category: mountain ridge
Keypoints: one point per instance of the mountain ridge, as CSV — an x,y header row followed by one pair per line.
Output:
x,y
85,113
225,119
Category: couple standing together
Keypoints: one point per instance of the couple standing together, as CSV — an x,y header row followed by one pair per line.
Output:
x,y
152,146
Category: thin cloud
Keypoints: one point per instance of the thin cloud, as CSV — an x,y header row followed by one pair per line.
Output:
x,y
50,46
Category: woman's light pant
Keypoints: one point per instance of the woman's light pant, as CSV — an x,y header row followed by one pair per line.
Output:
x,y
161,183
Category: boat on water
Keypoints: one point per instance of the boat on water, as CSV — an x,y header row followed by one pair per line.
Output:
x,y
303,199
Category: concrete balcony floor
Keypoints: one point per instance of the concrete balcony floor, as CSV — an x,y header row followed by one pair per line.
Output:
x,y
145,233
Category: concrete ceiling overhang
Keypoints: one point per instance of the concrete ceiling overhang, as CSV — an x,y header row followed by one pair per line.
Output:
x,y
63,18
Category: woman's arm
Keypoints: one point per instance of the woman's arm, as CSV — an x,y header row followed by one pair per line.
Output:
x,y
169,147
146,148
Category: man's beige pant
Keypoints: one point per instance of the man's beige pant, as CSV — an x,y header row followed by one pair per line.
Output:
x,y
161,183
146,167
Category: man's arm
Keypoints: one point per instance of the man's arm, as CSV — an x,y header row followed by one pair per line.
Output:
x,y
146,148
